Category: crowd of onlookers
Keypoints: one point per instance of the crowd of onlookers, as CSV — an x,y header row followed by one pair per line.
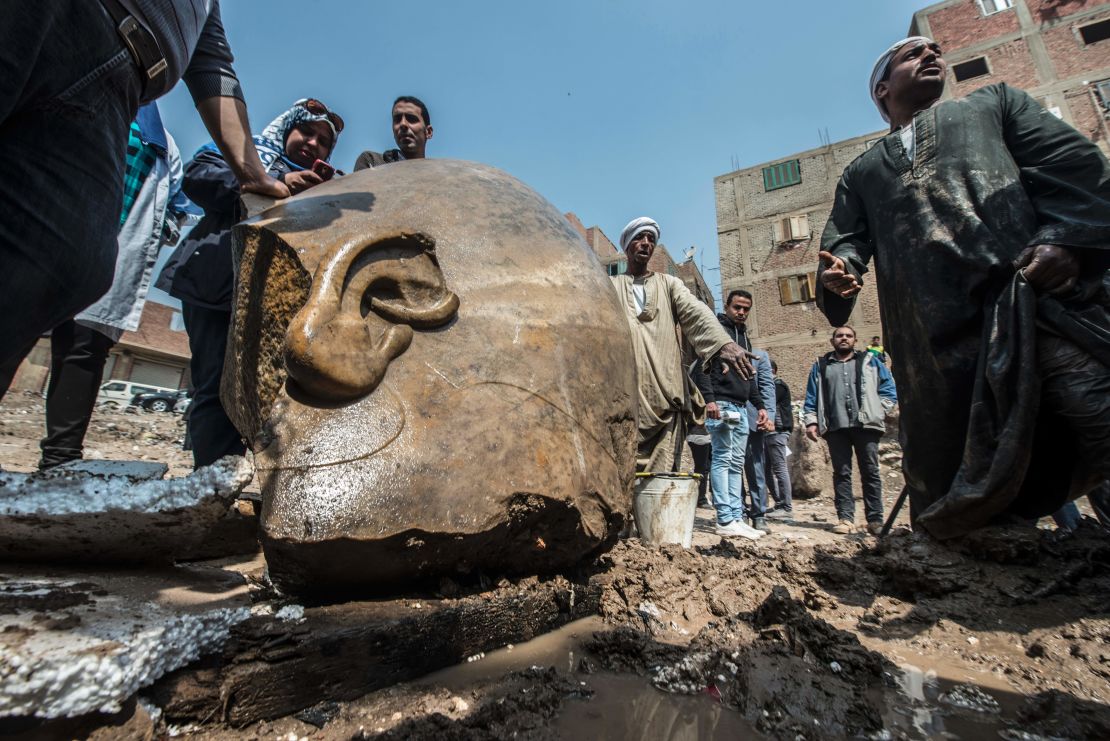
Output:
x,y
161,197
742,450
95,187
987,222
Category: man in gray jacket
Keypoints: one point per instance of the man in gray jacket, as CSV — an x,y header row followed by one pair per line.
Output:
x,y
847,398
74,75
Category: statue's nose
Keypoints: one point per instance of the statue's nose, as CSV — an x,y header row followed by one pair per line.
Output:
x,y
365,300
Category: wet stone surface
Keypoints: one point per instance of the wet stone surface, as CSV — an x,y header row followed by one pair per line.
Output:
x,y
431,388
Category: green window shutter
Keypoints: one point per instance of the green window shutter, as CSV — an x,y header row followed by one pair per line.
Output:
x,y
782,175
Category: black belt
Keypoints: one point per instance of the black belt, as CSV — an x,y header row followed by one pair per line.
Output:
x,y
142,45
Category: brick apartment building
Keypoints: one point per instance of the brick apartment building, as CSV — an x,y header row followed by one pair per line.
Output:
x,y
157,353
770,217
612,258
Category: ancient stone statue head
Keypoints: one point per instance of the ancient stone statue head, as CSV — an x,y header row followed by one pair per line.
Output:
x,y
435,376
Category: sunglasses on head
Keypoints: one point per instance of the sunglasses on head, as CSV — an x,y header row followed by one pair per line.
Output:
x,y
316,108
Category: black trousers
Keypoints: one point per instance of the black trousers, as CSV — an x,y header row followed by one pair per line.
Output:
x,y
77,357
865,443
701,455
210,430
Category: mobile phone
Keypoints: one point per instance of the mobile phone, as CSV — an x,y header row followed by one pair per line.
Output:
x,y
323,169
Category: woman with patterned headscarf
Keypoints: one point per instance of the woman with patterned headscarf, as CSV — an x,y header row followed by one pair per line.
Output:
x,y
200,271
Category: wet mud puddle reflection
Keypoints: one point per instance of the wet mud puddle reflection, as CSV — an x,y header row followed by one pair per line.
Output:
x,y
949,704
940,701
622,706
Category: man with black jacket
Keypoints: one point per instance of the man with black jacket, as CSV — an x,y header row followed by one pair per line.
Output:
x,y
726,399
775,445
75,74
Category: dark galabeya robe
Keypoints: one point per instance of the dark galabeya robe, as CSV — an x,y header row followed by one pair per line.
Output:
x,y
994,173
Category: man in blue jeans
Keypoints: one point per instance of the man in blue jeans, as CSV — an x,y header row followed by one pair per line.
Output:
x,y
734,320
726,397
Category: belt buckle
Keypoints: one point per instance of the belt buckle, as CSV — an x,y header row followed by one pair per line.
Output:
x,y
128,27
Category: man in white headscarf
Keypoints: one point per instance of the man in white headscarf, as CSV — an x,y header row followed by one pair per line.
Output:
x,y
988,220
657,305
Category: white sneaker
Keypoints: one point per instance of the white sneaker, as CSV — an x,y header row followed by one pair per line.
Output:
x,y
738,529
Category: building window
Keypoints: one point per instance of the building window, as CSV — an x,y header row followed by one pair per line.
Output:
x,y
177,322
616,268
1095,32
1102,87
790,229
798,289
782,175
971,68
990,7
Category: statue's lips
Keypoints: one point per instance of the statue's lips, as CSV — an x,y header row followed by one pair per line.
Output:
x,y
305,435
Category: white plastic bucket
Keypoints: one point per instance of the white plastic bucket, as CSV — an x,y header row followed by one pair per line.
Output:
x,y
664,506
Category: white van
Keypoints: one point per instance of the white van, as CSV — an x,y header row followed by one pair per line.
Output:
x,y
119,393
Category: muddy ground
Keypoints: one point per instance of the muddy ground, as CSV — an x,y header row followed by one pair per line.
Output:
x,y
113,434
802,634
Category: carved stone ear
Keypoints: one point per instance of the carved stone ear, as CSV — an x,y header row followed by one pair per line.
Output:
x,y
365,299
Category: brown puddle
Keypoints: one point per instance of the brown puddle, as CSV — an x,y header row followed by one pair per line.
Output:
x,y
932,698
623,706
944,700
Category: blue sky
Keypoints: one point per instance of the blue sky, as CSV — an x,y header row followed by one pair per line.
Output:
x,y
611,109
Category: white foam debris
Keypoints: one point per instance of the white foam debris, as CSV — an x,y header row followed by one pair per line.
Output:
x,y
89,645
290,612
77,493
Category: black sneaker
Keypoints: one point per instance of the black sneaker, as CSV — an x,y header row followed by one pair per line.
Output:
x,y
760,523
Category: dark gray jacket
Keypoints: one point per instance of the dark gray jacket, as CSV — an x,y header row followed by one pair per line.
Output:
x,y
370,159
200,270
191,36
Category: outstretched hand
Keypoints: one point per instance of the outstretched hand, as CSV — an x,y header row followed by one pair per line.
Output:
x,y
836,278
1049,268
266,186
735,357
811,433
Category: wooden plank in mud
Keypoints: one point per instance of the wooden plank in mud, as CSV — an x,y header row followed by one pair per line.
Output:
x,y
272,667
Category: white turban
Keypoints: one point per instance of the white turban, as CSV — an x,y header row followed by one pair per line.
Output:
x,y
883,63
642,224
